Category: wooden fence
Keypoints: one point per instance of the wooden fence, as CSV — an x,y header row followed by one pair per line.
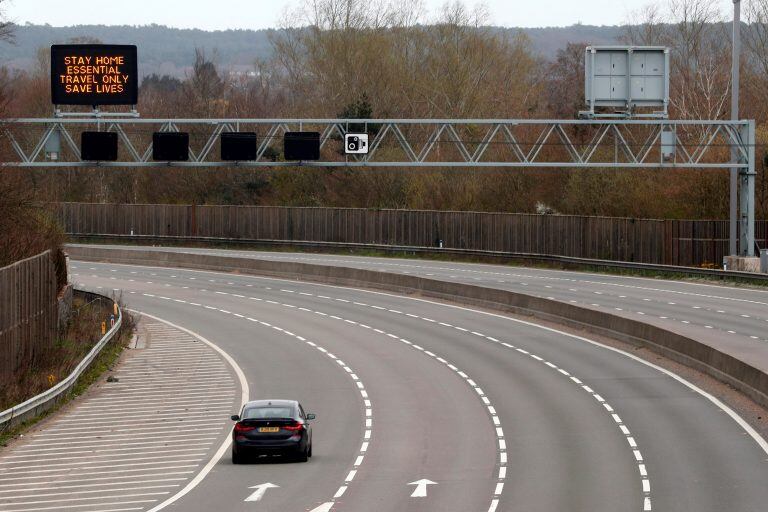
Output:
x,y
28,313
672,242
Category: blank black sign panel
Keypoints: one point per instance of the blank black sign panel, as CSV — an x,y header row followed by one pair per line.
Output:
x,y
301,146
94,74
170,146
238,147
98,146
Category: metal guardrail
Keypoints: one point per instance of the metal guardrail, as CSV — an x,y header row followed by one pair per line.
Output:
x,y
40,403
545,258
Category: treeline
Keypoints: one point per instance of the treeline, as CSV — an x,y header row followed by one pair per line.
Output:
x,y
169,51
162,50
26,227
352,60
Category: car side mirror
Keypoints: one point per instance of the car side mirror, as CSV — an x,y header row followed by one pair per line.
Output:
x,y
311,417
235,417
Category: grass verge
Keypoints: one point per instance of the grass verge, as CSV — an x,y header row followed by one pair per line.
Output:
x,y
104,362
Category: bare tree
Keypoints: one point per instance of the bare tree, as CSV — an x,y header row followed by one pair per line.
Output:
x,y
694,30
755,58
755,88
702,60
756,37
205,88
455,66
565,95
650,30
6,26
6,35
25,225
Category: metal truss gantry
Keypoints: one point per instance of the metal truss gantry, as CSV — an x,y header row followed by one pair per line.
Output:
x,y
419,143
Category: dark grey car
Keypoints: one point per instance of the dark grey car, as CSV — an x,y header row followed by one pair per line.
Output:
x,y
272,427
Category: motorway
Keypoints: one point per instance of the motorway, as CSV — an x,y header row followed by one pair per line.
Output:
x,y
425,406
700,310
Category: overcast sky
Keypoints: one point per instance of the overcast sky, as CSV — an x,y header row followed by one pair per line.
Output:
x,y
255,14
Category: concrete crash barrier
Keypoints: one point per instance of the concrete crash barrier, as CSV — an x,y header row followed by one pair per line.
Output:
x,y
743,365
741,264
480,255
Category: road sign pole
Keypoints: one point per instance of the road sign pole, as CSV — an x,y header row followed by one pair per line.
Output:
x,y
734,176
747,194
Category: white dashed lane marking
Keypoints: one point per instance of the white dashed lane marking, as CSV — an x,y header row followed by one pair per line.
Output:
x,y
636,452
617,419
368,408
644,480
368,420
619,310
502,457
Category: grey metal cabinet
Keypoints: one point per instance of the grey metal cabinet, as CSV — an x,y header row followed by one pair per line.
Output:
x,y
626,79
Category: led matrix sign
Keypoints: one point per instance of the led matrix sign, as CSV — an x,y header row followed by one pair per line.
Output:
x,y
94,74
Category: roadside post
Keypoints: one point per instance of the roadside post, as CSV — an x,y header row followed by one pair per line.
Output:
x,y
734,174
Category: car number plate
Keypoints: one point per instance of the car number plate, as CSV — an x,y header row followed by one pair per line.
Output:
x,y
269,429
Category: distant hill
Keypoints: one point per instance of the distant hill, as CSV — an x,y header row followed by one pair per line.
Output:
x,y
170,51
548,40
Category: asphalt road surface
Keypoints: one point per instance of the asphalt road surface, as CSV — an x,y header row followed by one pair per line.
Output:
x,y
429,407
703,311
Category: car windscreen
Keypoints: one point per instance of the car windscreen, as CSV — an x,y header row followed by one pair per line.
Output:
x,y
263,413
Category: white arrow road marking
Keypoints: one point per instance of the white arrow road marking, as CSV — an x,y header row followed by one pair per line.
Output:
x,y
421,487
325,507
261,489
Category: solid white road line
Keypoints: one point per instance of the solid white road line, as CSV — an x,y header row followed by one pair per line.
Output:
x,y
756,436
226,443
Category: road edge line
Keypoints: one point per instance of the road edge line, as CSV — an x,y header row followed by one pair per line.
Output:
x,y
245,392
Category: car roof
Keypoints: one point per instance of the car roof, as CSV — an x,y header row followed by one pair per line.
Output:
x,y
266,403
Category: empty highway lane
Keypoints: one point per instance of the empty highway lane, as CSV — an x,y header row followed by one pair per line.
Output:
x,y
431,407
703,311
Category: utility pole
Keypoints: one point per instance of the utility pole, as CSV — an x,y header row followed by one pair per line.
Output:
x,y
735,61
